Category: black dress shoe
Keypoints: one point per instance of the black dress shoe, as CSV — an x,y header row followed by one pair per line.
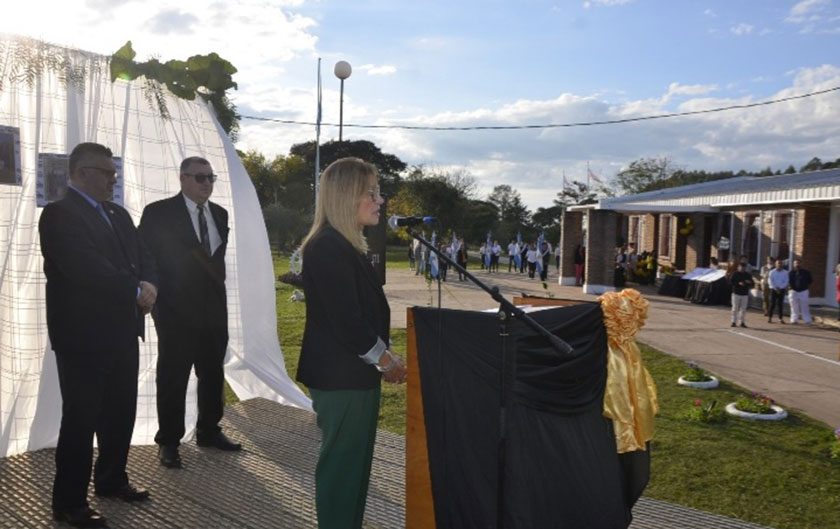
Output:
x,y
79,517
220,441
125,493
169,456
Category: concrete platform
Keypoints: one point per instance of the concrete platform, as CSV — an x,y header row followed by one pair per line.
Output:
x,y
797,365
267,486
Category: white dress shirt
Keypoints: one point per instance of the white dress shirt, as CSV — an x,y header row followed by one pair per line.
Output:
x,y
779,278
215,238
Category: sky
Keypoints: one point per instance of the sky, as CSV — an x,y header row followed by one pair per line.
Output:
x,y
492,62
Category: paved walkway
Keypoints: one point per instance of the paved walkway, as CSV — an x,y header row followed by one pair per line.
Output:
x,y
796,365
267,486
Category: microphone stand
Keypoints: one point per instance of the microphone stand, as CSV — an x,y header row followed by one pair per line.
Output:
x,y
507,310
504,305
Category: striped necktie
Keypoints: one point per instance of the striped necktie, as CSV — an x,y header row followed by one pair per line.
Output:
x,y
202,228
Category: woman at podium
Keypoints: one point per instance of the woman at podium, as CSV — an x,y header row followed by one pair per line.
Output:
x,y
345,351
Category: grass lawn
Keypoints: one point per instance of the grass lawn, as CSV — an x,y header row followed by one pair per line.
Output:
x,y
774,474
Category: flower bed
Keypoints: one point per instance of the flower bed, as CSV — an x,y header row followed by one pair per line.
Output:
x,y
696,377
757,407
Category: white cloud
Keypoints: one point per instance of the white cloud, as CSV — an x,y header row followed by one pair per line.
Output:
x,y
710,13
741,29
385,69
807,11
691,89
533,161
607,3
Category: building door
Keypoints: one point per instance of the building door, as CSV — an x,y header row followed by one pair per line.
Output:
x,y
833,256
708,226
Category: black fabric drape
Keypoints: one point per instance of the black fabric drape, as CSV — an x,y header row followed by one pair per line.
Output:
x,y
709,292
562,469
673,285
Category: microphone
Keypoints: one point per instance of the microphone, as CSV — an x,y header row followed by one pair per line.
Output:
x,y
396,222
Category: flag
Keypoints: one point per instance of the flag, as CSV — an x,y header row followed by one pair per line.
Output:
x,y
540,240
517,257
433,258
488,249
455,246
593,176
318,133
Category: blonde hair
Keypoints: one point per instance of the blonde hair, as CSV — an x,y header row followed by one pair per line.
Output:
x,y
344,184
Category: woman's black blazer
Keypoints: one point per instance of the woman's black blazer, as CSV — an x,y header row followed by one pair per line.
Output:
x,y
346,311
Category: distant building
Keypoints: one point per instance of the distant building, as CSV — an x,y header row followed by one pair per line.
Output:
x,y
786,216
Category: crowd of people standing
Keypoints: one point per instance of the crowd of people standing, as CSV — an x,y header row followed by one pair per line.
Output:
x,y
535,257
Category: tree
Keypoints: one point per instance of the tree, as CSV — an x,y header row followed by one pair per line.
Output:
x,y
645,174
436,194
480,217
512,214
547,218
389,166
575,193
286,227
266,182
296,177
815,164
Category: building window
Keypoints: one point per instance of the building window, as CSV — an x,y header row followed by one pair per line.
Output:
x,y
664,235
781,236
724,242
634,232
752,234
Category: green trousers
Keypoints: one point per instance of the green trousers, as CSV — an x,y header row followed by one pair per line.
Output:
x,y
347,419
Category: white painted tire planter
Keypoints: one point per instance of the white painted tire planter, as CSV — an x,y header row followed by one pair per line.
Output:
x,y
780,413
709,384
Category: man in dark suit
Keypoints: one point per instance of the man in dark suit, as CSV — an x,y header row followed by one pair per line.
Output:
x,y
188,236
100,284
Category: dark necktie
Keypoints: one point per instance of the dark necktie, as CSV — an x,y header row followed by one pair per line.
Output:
x,y
202,228
101,210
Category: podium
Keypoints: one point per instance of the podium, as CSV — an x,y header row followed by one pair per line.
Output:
x,y
557,452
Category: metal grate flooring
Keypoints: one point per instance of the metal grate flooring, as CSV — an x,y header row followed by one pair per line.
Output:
x,y
268,485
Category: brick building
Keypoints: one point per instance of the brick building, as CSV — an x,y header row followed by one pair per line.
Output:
x,y
787,216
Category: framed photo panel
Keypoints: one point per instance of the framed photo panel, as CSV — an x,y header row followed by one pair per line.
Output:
x,y
54,175
10,171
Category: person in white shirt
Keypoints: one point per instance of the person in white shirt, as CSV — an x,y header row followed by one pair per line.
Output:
x,y
557,259
532,256
513,249
779,281
481,252
495,256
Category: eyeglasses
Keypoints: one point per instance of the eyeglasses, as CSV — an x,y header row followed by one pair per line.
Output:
x,y
375,193
201,178
106,172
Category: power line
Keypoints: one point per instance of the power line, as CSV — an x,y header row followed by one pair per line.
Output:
x,y
554,125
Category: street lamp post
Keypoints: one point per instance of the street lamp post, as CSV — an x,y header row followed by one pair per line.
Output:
x,y
342,71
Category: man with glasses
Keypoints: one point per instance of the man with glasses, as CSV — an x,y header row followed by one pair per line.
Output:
x,y
188,236
100,285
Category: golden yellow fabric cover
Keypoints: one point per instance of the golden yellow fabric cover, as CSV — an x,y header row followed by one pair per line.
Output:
x,y
630,398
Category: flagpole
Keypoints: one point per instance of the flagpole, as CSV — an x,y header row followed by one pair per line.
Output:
x,y
318,135
588,184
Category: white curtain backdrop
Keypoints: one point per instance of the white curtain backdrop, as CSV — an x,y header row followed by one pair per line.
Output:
x,y
53,118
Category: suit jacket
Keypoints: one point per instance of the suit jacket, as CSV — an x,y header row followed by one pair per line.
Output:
x,y
191,292
346,311
93,273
